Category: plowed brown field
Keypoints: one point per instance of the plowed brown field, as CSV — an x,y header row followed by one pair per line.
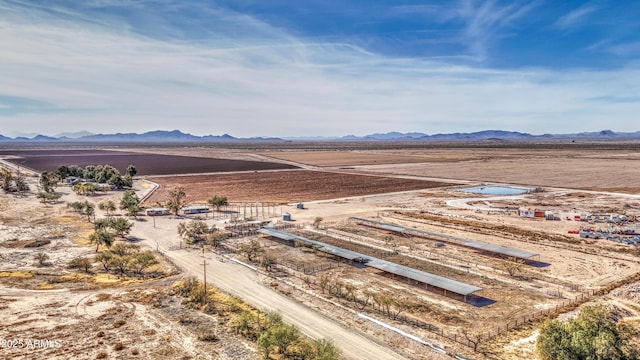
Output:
x,y
146,164
284,186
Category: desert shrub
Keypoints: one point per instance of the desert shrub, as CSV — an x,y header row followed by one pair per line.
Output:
x,y
118,323
593,334
141,261
276,339
102,355
41,258
326,350
118,346
207,334
80,263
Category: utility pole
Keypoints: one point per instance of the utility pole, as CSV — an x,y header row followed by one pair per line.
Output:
x,y
204,265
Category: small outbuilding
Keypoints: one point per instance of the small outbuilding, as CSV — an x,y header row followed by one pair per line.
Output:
x,y
160,211
529,213
195,209
286,217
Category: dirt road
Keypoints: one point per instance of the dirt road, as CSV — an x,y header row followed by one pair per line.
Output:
x,y
241,281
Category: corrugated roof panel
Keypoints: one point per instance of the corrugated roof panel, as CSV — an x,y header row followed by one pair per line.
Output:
x,y
424,277
498,249
410,273
278,234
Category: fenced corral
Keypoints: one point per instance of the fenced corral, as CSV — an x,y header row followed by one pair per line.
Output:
x,y
250,228
538,315
307,269
248,210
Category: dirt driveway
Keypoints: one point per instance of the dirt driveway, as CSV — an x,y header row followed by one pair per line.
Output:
x,y
241,281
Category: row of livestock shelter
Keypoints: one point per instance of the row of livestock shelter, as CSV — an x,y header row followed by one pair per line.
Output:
x,y
435,281
187,210
477,245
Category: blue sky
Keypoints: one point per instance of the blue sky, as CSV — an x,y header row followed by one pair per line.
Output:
x,y
318,68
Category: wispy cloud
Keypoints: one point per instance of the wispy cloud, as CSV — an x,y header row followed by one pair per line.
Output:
x,y
575,17
487,20
250,79
625,49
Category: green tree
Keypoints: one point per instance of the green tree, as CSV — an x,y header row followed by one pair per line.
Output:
x,y
120,226
20,182
196,231
101,237
131,170
89,210
218,201
105,259
121,262
49,181
593,335
176,200
77,206
126,181
86,188
122,249
108,207
130,203
89,172
243,324
300,349
142,261
49,197
6,179
216,239
276,339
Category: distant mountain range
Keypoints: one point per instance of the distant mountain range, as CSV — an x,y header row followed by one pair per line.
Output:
x,y
178,136
151,136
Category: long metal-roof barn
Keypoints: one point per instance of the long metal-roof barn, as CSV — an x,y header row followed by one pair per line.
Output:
x,y
440,282
497,249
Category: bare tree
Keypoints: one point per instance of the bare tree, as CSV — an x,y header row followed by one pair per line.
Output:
x,y
349,292
176,200
513,266
252,250
401,304
472,339
324,282
367,296
308,280
41,258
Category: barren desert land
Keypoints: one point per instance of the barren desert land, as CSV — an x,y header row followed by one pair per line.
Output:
x,y
388,252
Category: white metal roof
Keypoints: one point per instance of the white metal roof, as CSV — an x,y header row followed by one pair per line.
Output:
x,y
498,249
410,273
195,207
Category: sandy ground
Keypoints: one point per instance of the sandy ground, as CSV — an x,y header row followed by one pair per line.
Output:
x,y
573,263
56,313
